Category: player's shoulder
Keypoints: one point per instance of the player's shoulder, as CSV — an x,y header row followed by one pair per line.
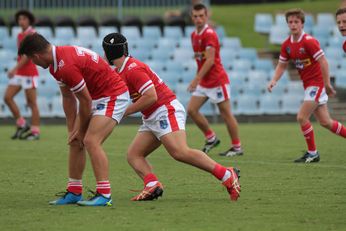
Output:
x,y
309,38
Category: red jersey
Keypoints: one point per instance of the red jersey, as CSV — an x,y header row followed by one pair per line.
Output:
x,y
304,53
201,41
78,67
139,78
344,46
29,69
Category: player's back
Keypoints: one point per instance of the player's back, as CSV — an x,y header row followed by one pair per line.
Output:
x,y
99,78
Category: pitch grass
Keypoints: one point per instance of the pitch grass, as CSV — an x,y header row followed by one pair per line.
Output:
x,y
276,194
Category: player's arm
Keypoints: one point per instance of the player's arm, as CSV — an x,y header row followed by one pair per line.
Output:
x,y
148,98
23,60
280,69
69,104
325,74
85,111
207,65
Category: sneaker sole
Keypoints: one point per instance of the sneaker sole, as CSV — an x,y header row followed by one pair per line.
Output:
x,y
215,145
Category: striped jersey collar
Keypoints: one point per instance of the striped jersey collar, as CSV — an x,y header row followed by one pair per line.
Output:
x,y
124,64
300,38
201,32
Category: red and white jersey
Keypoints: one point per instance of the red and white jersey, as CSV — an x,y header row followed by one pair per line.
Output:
x,y
344,46
78,67
304,53
139,78
29,69
201,41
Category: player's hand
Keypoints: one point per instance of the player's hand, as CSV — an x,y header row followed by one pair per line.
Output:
x,y
193,85
76,136
330,91
271,85
11,73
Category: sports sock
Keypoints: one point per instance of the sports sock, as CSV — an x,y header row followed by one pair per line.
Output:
x,y
338,129
236,144
150,180
210,135
35,130
103,188
21,122
219,171
74,186
308,133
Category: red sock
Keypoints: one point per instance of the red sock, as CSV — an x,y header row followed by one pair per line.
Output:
x,y
21,122
308,133
103,187
338,129
149,178
236,143
35,130
219,171
209,134
75,186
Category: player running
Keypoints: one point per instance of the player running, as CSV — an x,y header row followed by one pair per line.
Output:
x,y
103,98
24,76
312,66
341,22
211,82
163,123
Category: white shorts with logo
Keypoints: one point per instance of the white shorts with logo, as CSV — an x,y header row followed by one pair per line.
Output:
x,y
314,93
26,82
216,94
166,119
113,107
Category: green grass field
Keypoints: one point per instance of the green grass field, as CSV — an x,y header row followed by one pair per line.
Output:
x,y
276,194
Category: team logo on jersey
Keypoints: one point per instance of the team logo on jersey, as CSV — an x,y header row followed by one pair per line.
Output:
x,y
199,55
28,81
132,65
313,92
163,123
301,50
61,64
302,63
288,50
100,107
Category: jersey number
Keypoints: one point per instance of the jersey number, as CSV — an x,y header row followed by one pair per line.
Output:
x,y
81,51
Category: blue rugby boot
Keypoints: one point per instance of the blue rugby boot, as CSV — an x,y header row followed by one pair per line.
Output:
x,y
66,198
97,200
308,158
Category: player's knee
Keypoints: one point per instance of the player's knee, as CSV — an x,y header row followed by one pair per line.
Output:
x,y
325,123
301,119
191,111
7,99
179,154
89,142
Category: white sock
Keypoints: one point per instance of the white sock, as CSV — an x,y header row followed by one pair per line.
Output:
x,y
313,152
226,176
151,183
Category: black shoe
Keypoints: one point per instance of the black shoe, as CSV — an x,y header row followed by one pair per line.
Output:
x,y
20,131
308,158
232,152
209,145
30,136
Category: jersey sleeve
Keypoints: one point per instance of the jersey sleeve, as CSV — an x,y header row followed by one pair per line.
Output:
x,y
71,77
284,56
140,80
313,48
211,39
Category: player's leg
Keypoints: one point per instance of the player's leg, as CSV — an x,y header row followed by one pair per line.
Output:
x,y
323,117
31,97
143,144
303,117
232,128
11,91
176,145
196,102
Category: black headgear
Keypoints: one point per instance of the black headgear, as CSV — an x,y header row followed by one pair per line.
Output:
x,y
114,46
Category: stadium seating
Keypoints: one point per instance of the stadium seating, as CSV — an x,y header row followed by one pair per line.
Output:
x,y
270,105
278,34
263,22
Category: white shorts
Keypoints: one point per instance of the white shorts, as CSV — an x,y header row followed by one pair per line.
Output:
x,y
314,93
113,107
166,119
26,82
216,94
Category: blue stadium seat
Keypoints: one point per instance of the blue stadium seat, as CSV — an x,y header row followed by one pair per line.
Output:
x,y
130,32
332,53
247,105
263,22
326,20
263,65
161,54
173,32
258,77
9,43
105,30
247,53
170,78
253,90
144,43
189,30
87,33
270,105
182,94
295,88
237,74
141,54
152,32
335,42
187,76
227,57
280,20
340,79
183,55
15,31
279,90
278,34
233,43
185,43
241,65
291,103
221,33
46,32
174,67
4,33
57,109
156,65
321,32
64,33
309,23
44,107
167,43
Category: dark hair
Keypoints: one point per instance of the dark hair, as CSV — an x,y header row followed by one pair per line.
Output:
x,y
27,14
33,44
340,11
295,12
200,6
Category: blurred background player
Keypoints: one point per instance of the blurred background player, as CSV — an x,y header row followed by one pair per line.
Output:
x,y
163,123
103,98
312,66
341,22
24,76
211,82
